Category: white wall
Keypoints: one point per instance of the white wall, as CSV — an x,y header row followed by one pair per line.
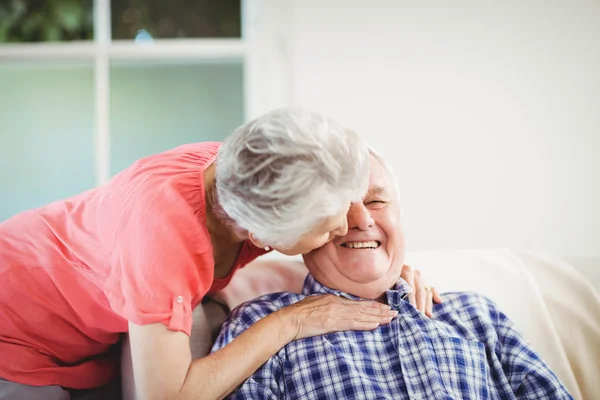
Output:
x,y
488,111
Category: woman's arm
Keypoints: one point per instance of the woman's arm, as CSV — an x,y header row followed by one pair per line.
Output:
x,y
162,363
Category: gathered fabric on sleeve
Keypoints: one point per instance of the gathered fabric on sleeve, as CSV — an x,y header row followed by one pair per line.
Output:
x,y
161,260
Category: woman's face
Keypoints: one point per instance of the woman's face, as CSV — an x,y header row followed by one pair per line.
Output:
x,y
322,234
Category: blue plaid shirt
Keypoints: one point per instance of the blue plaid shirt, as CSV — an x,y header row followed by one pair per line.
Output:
x,y
468,350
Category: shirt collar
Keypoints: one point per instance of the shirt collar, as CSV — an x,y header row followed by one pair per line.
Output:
x,y
311,286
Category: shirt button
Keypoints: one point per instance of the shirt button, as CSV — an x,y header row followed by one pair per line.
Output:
x,y
416,396
179,299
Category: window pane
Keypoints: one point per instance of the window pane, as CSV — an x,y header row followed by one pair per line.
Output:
x,y
156,108
147,19
46,20
46,134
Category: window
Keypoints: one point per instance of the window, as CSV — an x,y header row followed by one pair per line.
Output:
x,y
88,87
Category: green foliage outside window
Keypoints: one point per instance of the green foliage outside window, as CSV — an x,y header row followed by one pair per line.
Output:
x,y
176,18
65,20
46,20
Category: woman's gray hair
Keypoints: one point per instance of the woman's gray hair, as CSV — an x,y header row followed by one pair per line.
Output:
x,y
281,174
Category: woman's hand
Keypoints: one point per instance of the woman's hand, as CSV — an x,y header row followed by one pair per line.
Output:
x,y
321,314
422,296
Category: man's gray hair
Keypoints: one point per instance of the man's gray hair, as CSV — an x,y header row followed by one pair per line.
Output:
x,y
388,169
281,174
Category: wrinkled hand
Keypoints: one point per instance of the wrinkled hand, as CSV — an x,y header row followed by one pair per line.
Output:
x,y
321,314
422,296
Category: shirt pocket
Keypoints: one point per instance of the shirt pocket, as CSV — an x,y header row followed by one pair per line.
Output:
x,y
460,369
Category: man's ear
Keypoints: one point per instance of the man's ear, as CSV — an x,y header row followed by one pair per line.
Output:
x,y
255,241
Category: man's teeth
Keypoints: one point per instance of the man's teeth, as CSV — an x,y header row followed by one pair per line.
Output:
x,y
372,244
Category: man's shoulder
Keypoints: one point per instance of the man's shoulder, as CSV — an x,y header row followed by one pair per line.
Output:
x,y
473,311
471,301
251,311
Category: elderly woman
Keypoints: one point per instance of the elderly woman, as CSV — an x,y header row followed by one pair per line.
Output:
x,y
138,254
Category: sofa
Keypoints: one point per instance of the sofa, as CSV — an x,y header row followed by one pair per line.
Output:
x,y
556,309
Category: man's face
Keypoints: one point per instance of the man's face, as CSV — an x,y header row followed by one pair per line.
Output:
x,y
324,232
368,259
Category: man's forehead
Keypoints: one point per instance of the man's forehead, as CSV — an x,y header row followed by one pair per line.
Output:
x,y
380,181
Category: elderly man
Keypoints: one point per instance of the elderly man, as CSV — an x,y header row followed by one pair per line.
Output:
x,y
468,350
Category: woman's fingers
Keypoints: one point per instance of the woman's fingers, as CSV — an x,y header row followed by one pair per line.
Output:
x,y
429,306
365,321
422,295
436,295
370,312
361,315
370,308
317,315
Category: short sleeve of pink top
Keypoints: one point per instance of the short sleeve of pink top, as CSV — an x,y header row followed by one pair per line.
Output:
x,y
161,259
76,271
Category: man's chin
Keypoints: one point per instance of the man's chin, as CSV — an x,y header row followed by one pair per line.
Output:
x,y
364,267
365,277
366,287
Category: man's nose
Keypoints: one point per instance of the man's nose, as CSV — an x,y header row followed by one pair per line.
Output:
x,y
359,217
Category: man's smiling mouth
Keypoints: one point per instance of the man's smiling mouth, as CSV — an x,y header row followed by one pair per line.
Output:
x,y
371,244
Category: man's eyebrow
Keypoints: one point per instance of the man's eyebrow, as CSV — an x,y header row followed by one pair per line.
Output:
x,y
376,190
